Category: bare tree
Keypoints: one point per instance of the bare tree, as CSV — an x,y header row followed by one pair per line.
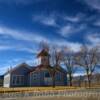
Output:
x,y
69,62
88,59
56,57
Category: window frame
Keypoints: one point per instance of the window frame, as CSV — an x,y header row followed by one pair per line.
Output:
x,y
18,79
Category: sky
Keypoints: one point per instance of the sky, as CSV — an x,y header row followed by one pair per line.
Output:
x,y
25,23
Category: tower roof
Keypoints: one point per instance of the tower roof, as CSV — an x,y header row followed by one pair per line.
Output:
x,y
43,53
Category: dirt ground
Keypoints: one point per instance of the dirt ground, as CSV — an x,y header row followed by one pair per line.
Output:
x,y
53,98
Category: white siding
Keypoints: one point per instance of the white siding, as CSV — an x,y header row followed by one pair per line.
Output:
x,y
6,80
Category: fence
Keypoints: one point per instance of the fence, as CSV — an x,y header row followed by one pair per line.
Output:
x,y
52,93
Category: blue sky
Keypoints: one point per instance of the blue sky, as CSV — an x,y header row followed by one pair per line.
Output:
x,y
25,23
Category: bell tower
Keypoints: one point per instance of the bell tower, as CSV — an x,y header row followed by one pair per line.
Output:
x,y
44,56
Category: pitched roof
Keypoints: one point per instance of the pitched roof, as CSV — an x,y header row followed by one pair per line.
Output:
x,y
39,67
18,66
43,53
36,68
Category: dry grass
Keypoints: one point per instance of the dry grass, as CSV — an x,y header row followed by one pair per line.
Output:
x,y
28,89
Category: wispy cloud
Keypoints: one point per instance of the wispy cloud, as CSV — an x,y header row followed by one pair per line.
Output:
x,y
28,37
70,29
31,38
46,20
5,47
97,23
17,47
16,61
76,18
94,4
4,69
74,46
21,35
94,39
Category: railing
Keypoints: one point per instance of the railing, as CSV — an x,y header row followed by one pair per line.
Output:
x,y
52,93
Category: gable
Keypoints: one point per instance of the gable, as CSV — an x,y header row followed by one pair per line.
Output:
x,y
22,69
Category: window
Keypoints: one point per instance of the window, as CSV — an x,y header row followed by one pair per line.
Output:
x,y
35,76
47,75
18,80
14,79
58,76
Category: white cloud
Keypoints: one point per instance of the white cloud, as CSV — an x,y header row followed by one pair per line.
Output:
x,y
59,42
79,74
29,37
14,62
70,29
74,46
16,47
5,47
66,30
95,4
97,23
32,38
72,19
3,69
33,62
21,35
94,39
46,20
76,18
